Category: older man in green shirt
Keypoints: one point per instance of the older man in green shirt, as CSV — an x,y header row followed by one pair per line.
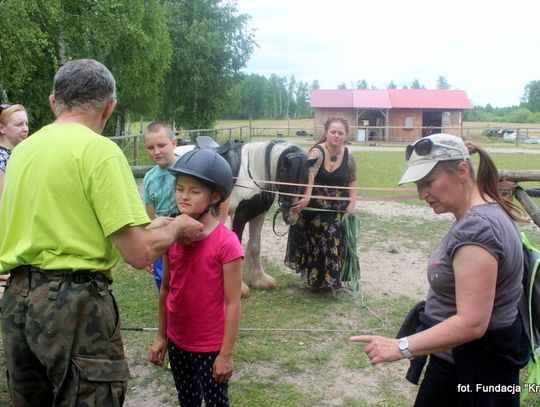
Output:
x,y
70,209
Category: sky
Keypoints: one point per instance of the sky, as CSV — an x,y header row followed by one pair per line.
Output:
x,y
490,49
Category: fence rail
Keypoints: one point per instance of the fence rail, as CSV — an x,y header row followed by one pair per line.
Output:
x,y
132,144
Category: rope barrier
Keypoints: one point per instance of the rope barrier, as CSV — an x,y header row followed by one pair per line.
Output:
x,y
331,198
334,198
151,329
351,270
351,273
262,181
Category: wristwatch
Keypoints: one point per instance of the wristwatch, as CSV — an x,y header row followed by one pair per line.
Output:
x,y
403,346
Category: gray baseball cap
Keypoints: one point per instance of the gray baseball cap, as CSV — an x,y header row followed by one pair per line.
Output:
x,y
426,152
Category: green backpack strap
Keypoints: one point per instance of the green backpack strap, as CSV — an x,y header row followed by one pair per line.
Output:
x,y
530,286
533,367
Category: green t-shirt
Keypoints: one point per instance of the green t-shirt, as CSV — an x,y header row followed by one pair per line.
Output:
x,y
67,189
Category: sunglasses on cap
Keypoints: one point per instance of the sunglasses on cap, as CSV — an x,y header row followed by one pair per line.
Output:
x,y
424,146
4,106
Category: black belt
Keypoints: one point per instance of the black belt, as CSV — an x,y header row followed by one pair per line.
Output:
x,y
75,276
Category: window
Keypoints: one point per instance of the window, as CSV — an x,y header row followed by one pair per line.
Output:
x,y
409,122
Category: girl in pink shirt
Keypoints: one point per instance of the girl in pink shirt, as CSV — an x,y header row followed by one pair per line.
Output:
x,y
199,305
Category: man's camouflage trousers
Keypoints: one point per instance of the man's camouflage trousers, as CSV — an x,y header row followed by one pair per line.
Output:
x,y
61,334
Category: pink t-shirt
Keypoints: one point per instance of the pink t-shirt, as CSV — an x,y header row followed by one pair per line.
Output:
x,y
196,300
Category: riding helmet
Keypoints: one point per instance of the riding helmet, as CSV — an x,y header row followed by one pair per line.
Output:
x,y
208,167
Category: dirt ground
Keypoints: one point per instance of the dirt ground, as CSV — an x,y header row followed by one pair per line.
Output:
x,y
382,269
385,273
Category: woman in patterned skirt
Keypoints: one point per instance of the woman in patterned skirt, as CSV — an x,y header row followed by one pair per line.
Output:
x,y
316,243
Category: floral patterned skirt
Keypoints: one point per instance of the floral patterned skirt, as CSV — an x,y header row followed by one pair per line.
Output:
x,y
316,248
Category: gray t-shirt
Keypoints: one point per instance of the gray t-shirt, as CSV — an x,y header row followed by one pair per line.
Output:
x,y
489,227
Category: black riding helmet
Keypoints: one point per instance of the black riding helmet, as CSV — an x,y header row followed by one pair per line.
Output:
x,y
208,167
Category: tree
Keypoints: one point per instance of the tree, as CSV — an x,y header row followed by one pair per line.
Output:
x,y
416,85
315,84
391,85
254,96
277,87
28,55
531,96
303,108
442,83
211,44
361,84
291,98
342,85
40,35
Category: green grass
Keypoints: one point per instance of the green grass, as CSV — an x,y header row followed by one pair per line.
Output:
x,y
275,356
274,344
383,169
4,392
411,233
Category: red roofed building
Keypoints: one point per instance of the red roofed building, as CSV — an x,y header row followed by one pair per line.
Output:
x,y
392,114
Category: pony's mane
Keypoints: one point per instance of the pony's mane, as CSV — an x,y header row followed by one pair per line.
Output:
x,y
266,156
256,157
277,152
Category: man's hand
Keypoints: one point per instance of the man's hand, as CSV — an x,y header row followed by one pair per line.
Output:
x,y
159,222
150,269
188,229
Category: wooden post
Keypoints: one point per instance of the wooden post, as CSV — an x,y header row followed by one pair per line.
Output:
x,y
136,149
519,175
128,124
521,195
140,170
117,132
288,127
528,204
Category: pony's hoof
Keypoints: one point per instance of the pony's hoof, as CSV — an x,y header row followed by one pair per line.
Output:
x,y
266,283
245,292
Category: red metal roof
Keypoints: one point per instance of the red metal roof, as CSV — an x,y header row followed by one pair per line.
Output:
x,y
391,98
332,98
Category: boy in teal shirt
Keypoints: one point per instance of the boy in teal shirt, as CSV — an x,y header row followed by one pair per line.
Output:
x,y
158,183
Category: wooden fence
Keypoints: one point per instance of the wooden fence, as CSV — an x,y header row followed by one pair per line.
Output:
x,y
132,143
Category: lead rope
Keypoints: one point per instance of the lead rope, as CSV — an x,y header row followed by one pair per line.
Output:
x,y
350,273
351,265
278,211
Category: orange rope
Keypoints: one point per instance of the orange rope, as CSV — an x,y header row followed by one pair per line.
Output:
x,y
262,181
335,198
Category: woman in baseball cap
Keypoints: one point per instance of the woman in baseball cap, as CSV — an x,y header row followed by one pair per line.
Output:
x,y
469,326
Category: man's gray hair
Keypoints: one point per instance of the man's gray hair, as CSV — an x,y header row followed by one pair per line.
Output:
x,y
83,83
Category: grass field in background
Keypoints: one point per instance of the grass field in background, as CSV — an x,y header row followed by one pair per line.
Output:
x,y
267,130
383,169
